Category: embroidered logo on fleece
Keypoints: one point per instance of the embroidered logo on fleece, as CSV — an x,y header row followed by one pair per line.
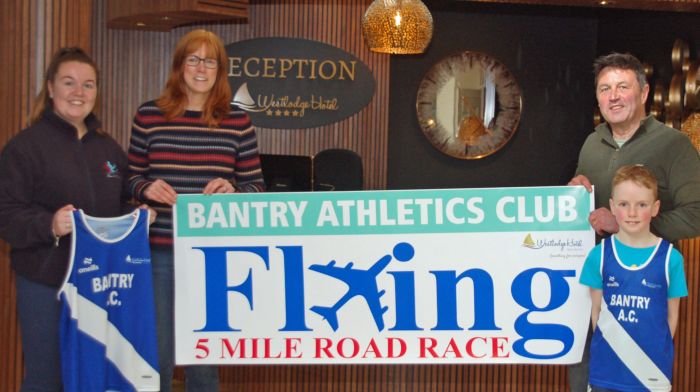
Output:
x,y
111,170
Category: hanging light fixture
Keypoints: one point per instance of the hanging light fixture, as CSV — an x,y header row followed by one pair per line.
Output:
x,y
397,26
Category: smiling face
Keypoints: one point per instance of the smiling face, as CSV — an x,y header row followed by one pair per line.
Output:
x,y
199,80
621,100
633,206
73,92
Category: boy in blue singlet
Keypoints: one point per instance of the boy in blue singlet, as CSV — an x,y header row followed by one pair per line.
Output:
x,y
636,281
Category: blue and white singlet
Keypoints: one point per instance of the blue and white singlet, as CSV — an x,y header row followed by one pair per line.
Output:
x,y
632,347
108,332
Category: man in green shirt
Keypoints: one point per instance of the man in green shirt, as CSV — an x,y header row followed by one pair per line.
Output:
x,y
629,136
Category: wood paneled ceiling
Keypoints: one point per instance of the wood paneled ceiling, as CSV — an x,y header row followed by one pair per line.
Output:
x,y
648,5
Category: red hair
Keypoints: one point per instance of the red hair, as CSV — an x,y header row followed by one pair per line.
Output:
x,y
637,174
173,100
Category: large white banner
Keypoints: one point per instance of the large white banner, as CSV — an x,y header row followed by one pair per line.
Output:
x,y
419,276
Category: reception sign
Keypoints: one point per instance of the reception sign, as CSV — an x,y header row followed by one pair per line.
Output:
x,y
297,83
419,276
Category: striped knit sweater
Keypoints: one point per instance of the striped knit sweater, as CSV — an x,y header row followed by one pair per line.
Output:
x,y
187,153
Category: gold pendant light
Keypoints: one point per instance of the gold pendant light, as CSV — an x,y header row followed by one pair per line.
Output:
x,y
397,26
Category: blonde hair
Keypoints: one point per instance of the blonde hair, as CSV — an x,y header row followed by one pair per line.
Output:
x,y
637,174
173,100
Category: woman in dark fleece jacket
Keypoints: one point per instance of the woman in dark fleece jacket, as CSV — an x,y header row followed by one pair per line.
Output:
x,y
60,162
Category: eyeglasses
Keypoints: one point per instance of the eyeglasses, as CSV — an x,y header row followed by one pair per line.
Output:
x,y
194,60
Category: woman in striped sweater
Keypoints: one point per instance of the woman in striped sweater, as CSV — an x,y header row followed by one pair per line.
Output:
x,y
190,140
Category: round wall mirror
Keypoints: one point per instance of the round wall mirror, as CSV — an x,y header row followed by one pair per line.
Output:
x,y
468,105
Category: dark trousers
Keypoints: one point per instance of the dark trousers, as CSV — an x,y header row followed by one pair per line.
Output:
x,y
39,313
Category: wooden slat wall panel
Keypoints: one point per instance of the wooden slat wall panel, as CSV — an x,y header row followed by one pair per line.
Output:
x,y
15,77
686,371
30,31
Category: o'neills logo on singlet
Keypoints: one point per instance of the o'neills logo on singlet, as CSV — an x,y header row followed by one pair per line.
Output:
x,y
88,266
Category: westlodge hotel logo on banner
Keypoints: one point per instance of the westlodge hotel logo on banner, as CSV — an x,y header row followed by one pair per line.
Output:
x,y
419,276
296,83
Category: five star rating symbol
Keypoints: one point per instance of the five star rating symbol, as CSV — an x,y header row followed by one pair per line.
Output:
x,y
280,113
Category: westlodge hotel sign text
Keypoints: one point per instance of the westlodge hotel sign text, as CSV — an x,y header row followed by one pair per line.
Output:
x,y
296,83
